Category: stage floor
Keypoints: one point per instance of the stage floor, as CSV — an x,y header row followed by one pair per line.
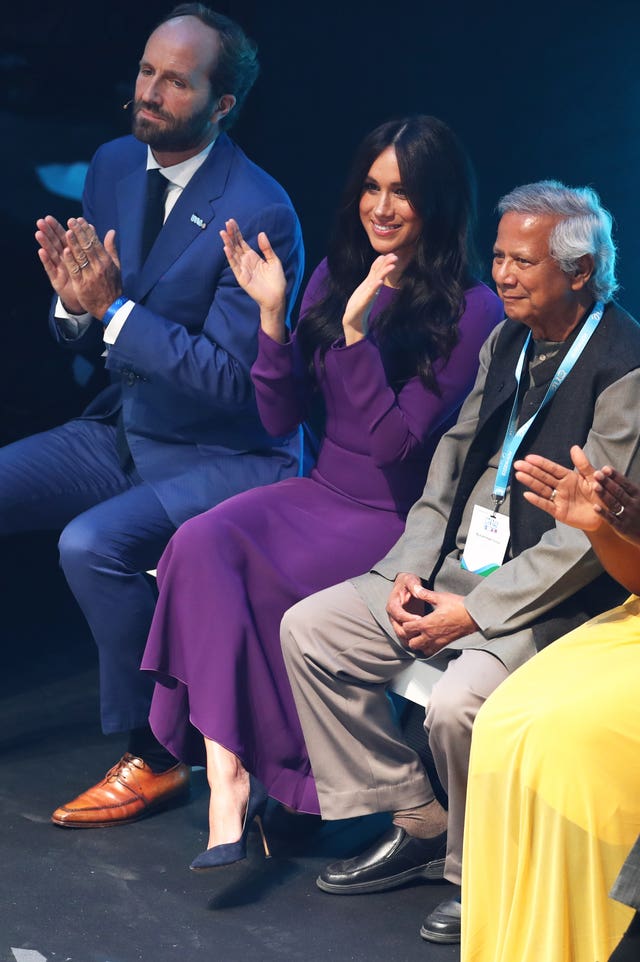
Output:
x,y
126,894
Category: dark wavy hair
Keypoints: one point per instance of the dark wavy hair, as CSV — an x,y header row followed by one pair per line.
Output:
x,y
421,325
236,68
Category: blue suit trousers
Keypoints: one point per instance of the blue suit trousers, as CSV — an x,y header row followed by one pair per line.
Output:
x,y
114,529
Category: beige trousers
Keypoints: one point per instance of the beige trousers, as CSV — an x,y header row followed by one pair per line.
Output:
x,y
339,662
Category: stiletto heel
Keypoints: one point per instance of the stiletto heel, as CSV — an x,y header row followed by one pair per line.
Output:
x,y
265,844
230,852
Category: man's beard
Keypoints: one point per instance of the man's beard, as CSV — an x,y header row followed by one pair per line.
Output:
x,y
173,135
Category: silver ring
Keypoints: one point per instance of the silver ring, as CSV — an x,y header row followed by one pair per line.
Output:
x,y
552,496
88,247
75,270
620,510
82,266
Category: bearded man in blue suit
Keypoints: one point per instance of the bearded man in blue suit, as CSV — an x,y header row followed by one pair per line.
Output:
x,y
177,430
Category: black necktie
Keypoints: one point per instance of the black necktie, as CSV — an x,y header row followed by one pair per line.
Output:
x,y
153,221
153,210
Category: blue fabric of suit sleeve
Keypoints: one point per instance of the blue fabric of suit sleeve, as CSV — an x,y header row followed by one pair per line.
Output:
x,y
213,364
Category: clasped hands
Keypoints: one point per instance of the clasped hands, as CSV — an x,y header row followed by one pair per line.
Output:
x,y
426,633
84,273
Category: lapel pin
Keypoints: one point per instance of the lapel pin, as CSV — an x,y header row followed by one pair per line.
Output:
x,y
198,221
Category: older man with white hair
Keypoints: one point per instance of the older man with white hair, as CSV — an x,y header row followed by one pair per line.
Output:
x,y
480,580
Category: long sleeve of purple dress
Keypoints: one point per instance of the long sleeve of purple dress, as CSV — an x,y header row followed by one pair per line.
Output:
x,y
227,576
282,383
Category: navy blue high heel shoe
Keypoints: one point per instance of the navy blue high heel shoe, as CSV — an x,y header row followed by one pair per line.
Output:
x,y
231,852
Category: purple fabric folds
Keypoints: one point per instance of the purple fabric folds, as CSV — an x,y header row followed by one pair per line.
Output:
x,y
228,575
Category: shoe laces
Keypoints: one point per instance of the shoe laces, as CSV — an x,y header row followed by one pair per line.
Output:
x,y
122,767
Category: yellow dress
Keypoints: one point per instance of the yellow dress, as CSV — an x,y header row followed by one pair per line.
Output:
x,y
553,806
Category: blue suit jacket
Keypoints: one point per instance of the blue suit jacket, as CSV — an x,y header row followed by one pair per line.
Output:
x,y
180,366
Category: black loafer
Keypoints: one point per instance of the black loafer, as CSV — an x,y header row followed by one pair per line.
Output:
x,y
443,924
394,859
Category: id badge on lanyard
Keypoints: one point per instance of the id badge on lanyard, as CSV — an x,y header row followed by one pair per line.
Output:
x,y
487,541
488,536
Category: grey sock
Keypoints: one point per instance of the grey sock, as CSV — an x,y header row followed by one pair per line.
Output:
x,y
424,821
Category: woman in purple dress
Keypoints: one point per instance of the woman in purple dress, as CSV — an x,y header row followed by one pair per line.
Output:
x,y
389,332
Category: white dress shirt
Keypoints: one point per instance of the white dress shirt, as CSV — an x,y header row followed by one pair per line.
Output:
x,y
178,176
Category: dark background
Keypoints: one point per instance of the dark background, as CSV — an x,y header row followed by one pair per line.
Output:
x,y
534,90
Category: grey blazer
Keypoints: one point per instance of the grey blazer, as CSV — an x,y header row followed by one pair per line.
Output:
x,y
626,887
507,603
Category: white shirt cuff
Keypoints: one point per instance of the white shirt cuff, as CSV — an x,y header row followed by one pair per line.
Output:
x,y
72,324
117,322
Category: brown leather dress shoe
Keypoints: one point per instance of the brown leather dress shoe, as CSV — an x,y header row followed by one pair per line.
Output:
x,y
128,791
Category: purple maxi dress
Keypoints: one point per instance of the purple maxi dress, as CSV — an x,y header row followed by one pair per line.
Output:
x,y
227,576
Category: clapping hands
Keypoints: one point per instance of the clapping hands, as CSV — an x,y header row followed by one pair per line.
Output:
x,y
262,277
359,305
84,273
585,498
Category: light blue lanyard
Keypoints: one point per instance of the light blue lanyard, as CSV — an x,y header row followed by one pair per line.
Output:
x,y
514,438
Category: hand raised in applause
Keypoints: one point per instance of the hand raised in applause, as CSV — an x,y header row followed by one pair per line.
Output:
x,y
620,500
584,498
93,267
262,277
84,274
50,235
356,314
427,633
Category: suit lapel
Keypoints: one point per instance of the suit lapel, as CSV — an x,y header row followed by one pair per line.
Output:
x,y
193,212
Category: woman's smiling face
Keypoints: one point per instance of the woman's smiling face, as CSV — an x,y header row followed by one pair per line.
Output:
x,y
391,223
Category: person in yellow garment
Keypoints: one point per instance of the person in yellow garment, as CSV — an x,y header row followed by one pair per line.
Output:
x,y
553,804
